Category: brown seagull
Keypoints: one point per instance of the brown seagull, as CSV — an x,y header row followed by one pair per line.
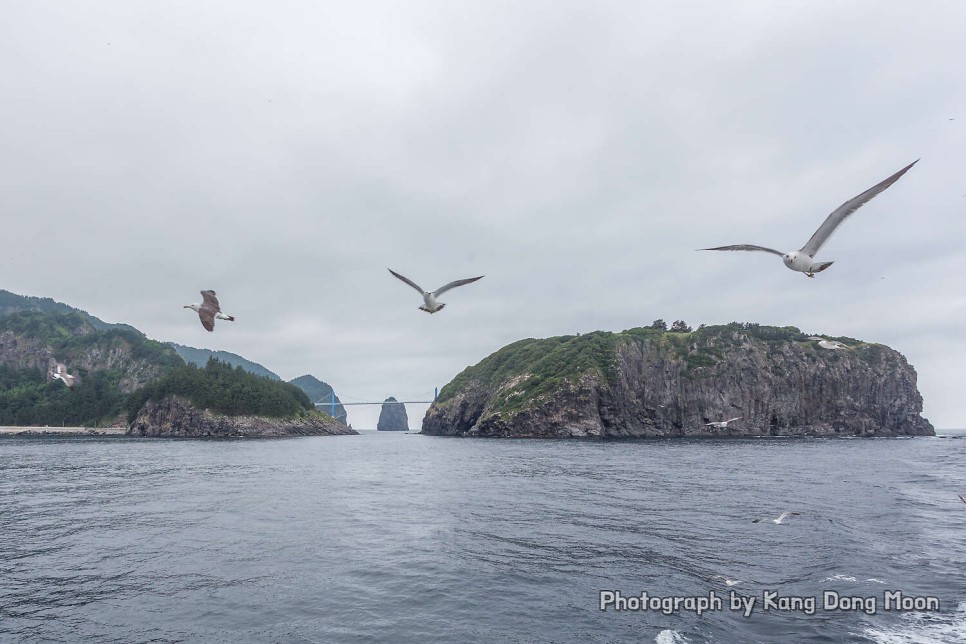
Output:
x,y
209,310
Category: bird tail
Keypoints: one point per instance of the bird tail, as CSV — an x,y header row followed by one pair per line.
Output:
x,y
821,266
231,318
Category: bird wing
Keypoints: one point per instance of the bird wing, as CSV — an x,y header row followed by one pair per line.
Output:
x,y
207,318
839,214
733,419
961,498
785,515
443,289
407,280
210,300
748,247
61,369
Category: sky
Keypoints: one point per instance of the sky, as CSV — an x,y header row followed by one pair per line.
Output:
x,y
575,153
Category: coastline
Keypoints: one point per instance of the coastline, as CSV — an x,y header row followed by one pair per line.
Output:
x,y
63,431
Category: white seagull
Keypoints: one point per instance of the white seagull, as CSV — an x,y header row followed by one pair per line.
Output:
x,y
828,344
209,310
727,582
803,260
784,515
430,305
722,424
60,373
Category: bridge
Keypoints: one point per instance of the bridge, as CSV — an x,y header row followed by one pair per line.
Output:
x,y
331,404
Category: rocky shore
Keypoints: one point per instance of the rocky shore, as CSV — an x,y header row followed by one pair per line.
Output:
x,y
176,417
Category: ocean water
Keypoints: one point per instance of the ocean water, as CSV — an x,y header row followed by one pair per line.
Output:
x,y
408,538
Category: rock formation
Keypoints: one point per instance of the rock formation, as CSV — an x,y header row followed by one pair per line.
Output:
x,y
648,382
393,417
173,416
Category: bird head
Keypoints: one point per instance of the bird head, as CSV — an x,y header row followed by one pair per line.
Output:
x,y
193,307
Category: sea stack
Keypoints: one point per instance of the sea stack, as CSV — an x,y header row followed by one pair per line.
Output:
x,y
393,417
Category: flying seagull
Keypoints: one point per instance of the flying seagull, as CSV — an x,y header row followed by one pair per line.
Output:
x,y
60,373
727,582
209,310
784,515
803,260
429,299
828,344
722,424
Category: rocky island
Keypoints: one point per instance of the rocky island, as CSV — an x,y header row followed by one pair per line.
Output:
x,y
654,382
392,416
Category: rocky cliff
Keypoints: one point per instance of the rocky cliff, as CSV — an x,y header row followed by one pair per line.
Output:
x,y
174,416
648,382
392,417
37,341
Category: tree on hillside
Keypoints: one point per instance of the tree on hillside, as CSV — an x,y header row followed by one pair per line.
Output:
x,y
659,324
679,326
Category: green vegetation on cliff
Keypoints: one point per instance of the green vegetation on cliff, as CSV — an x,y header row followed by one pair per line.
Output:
x,y
542,366
13,303
200,358
28,397
227,390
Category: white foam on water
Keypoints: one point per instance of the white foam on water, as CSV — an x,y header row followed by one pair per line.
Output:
x,y
923,628
876,581
840,578
669,636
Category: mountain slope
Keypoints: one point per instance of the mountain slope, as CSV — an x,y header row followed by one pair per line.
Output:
x,y
200,358
317,391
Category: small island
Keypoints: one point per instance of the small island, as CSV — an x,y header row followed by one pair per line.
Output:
x,y
658,382
392,416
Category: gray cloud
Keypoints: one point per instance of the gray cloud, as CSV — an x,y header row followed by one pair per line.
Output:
x,y
575,153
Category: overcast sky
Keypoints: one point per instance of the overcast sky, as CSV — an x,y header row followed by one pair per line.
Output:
x,y
575,153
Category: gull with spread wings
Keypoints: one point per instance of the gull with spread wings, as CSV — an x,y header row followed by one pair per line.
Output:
x,y
60,373
430,305
803,260
209,310
722,424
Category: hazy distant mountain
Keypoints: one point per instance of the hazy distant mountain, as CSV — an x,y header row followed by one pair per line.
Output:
x,y
12,303
317,391
200,357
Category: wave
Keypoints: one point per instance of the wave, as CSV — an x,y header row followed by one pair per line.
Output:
x,y
922,628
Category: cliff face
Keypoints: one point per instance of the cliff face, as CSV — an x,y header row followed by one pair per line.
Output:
x,y
37,341
392,417
651,383
175,417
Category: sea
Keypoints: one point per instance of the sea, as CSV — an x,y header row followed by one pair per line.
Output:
x,y
395,537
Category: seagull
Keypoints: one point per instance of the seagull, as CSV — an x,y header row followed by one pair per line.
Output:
x,y
781,518
429,299
828,344
727,582
722,424
803,260
209,310
60,373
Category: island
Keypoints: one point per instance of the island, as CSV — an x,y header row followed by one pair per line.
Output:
x,y
657,382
